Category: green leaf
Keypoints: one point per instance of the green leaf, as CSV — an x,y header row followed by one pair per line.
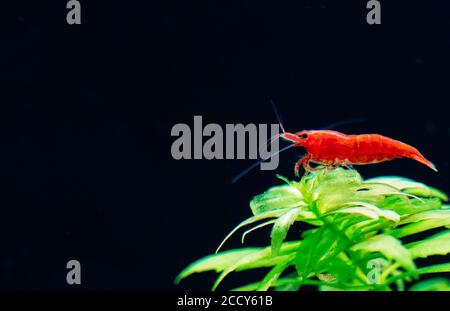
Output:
x,y
278,197
366,229
287,283
406,206
272,276
438,244
239,260
409,186
421,222
341,269
317,249
390,247
287,181
435,269
439,268
436,284
329,189
216,262
264,224
428,193
369,211
266,262
400,183
281,227
264,255
362,211
419,227
433,214
267,259
253,219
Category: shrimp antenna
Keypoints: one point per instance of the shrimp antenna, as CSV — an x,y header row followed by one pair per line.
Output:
x,y
278,115
269,142
344,122
254,165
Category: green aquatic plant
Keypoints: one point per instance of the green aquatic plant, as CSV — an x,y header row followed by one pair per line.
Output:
x,y
353,238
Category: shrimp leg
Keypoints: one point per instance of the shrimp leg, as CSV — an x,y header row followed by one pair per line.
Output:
x,y
305,163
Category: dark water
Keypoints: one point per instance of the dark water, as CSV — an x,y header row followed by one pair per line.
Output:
x,y
86,112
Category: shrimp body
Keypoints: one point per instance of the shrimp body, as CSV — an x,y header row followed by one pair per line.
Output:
x,y
331,148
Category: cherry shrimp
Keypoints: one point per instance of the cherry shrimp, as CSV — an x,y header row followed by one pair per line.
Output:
x,y
332,149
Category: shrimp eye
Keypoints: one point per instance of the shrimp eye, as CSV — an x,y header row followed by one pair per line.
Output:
x,y
304,135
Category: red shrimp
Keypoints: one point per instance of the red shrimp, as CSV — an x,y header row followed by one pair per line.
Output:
x,y
331,148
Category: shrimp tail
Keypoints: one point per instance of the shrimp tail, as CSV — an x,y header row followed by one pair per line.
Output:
x,y
420,158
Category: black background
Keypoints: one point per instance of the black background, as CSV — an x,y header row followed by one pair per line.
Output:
x,y
86,112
